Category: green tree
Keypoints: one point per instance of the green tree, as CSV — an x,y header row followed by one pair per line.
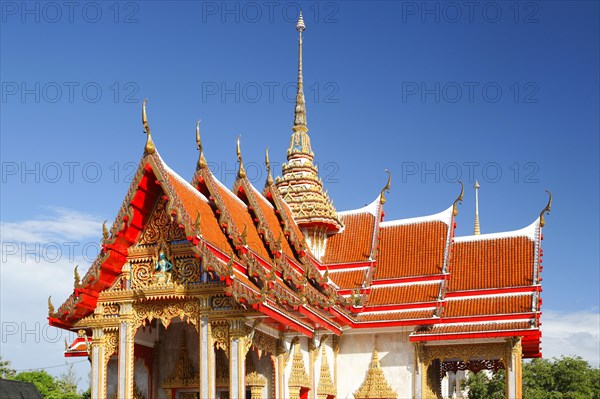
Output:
x,y
5,370
481,386
43,381
563,378
63,387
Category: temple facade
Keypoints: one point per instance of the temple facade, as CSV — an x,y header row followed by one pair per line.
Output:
x,y
205,291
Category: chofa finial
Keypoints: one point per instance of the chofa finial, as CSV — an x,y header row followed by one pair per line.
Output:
x,y
459,199
268,166
386,188
201,160
546,210
50,306
76,277
241,170
105,233
150,148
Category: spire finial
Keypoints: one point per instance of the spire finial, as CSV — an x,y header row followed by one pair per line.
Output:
x,y
386,188
268,165
150,148
300,110
546,210
201,160
241,170
476,229
459,199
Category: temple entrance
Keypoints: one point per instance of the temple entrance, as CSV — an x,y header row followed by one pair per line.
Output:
x,y
436,362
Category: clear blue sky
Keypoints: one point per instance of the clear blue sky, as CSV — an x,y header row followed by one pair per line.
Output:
x,y
430,91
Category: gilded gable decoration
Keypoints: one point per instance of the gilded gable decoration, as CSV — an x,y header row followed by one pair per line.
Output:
x,y
375,385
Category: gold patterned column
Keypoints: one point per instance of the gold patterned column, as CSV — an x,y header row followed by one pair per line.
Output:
x,y
514,377
98,353
423,376
125,358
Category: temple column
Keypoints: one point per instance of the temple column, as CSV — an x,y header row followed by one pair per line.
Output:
x,y
427,374
312,349
125,359
206,358
514,383
238,347
282,357
98,354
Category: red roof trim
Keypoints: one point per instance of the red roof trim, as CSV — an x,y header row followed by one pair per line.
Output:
x,y
491,334
404,280
494,291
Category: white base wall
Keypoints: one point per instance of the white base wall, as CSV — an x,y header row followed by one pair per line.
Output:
x,y
396,356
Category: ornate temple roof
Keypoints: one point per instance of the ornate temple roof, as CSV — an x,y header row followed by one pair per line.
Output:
x,y
409,273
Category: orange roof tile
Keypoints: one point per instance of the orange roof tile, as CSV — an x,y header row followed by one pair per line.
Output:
x,y
348,279
391,316
496,263
241,217
488,306
411,250
467,328
353,244
403,294
192,202
273,223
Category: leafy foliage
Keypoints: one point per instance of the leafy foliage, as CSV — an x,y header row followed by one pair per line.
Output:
x,y
50,387
5,370
483,387
564,378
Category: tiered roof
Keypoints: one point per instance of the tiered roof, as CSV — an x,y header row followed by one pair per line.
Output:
x,y
410,274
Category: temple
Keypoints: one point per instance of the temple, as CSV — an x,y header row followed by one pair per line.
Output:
x,y
205,291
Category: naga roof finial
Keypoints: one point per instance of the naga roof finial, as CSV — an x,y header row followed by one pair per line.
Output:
x,y
201,160
546,210
50,306
459,199
150,148
385,189
241,170
268,166
76,277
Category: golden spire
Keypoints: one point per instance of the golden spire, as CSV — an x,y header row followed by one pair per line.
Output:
x,y
459,199
386,188
201,160
546,210
241,170
476,230
300,110
268,165
149,149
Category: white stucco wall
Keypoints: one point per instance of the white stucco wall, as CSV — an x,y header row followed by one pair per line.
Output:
x,y
396,356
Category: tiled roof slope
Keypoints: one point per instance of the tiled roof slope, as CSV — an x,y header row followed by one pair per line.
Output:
x,y
353,243
496,263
